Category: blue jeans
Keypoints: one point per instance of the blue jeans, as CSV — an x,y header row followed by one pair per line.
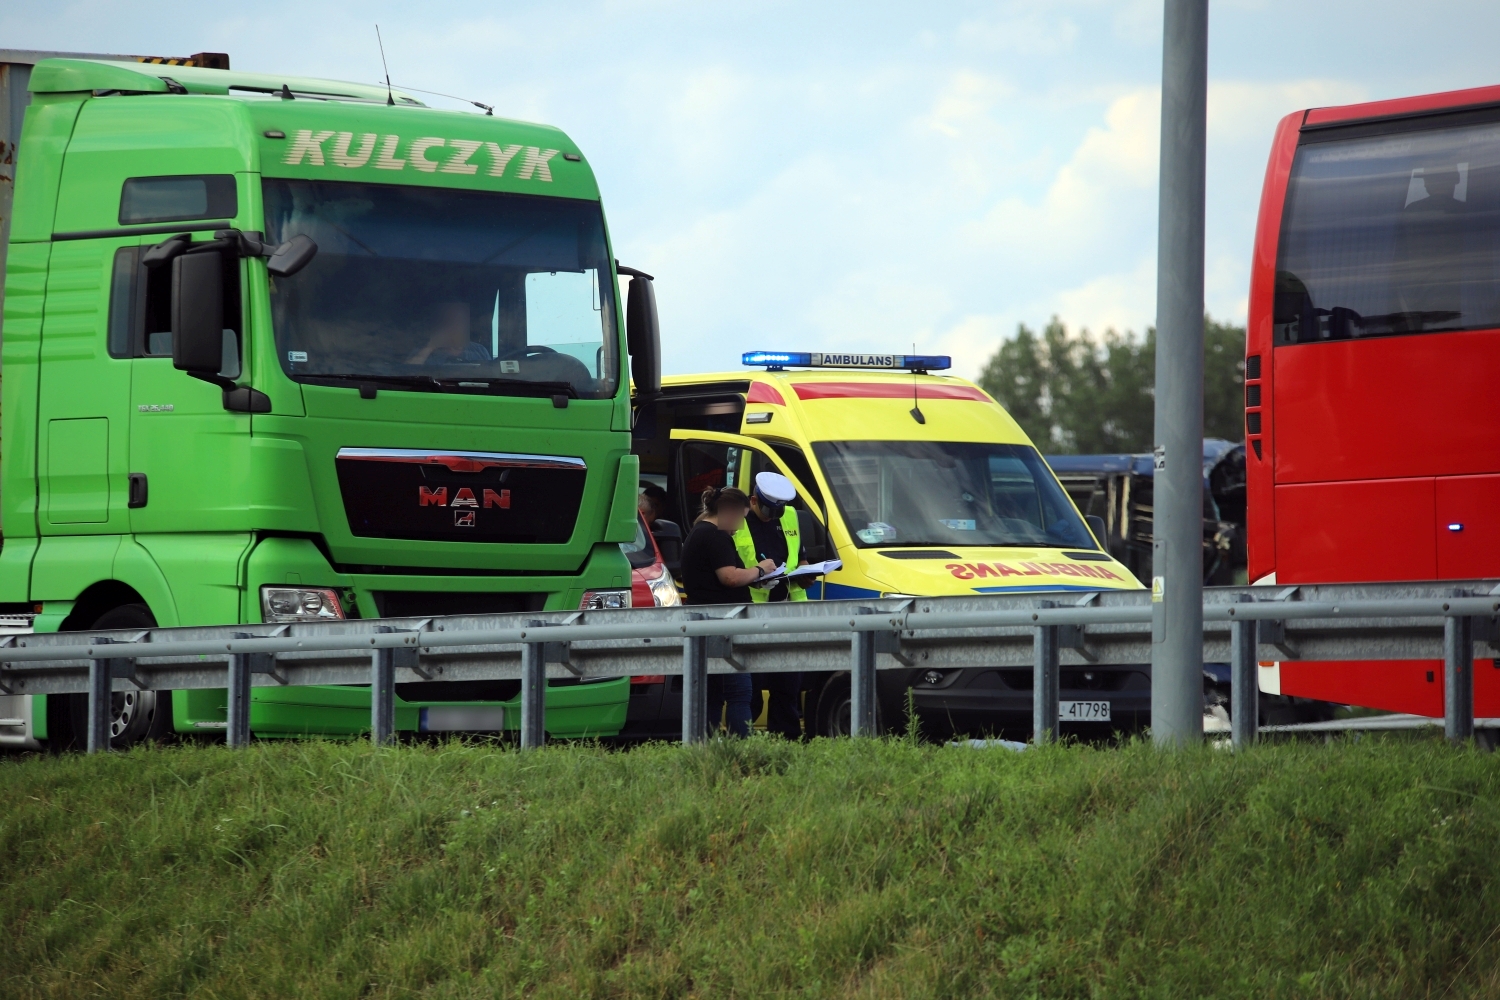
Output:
x,y
729,694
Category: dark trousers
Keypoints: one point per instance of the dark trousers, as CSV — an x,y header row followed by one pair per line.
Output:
x,y
729,694
783,703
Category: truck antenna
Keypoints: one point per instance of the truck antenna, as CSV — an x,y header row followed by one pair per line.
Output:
x,y
488,109
916,402
389,100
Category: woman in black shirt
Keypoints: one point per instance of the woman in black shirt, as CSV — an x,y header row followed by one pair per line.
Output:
x,y
711,569
713,574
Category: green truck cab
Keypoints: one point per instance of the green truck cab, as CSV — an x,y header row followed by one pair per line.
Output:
x,y
281,349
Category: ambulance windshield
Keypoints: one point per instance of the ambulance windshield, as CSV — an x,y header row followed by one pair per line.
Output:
x,y
440,290
949,493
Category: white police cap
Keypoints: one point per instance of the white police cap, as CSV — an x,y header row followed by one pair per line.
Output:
x,y
775,487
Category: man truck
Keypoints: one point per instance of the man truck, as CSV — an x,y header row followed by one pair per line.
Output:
x,y
281,349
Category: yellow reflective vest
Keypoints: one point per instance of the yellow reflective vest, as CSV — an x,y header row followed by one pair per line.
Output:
x,y
745,545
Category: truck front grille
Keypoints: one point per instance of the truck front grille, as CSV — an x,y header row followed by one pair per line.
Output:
x,y
460,496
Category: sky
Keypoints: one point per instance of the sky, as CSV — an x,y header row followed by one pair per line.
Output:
x,y
862,176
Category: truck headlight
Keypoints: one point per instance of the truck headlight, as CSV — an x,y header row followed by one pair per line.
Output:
x,y
664,591
300,604
604,600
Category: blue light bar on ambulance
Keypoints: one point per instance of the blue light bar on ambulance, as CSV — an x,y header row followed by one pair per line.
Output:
x,y
776,360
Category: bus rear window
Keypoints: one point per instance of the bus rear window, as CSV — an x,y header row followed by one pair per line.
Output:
x,y
1391,234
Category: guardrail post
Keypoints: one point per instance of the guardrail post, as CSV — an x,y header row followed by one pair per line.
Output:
x,y
862,680
694,685
100,677
238,733
383,692
1458,677
1244,683
1044,681
533,690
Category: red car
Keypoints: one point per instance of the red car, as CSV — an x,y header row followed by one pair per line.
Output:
x,y
651,585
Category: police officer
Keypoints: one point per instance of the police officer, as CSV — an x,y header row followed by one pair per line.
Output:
x,y
772,532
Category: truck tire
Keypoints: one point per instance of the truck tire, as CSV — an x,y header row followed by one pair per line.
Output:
x,y
134,716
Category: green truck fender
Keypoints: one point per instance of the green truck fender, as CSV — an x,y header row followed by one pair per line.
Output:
x,y
622,510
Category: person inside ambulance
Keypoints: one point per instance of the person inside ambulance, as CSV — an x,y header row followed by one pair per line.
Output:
x,y
773,531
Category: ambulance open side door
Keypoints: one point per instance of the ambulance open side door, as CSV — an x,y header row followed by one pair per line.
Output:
x,y
700,459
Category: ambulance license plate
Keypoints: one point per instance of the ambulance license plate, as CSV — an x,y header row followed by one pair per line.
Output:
x,y
1083,711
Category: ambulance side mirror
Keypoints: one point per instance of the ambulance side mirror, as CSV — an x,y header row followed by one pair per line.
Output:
x,y
198,312
1096,525
643,334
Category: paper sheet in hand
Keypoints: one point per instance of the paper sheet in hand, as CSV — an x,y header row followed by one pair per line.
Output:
x,y
802,572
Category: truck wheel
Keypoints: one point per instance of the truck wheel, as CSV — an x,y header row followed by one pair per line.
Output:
x,y
134,716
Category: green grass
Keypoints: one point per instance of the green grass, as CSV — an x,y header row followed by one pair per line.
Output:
x,y
880,869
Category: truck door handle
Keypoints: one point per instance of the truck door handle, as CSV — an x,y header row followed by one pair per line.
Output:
x,y
138,494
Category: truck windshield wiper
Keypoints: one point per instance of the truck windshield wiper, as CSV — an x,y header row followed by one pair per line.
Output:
x,y
430,383
565,388
417,381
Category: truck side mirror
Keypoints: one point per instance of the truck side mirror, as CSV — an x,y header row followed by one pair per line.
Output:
x,y
643,335
198,312
292,256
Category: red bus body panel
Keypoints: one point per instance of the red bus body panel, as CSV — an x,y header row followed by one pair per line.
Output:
x,y
1362,531
1391,407
1378,460
1468,543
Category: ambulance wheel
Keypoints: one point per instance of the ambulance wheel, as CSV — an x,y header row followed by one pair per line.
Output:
x,y
134,716
835,710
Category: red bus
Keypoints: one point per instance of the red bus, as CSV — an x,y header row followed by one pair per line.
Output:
x,y
1372,368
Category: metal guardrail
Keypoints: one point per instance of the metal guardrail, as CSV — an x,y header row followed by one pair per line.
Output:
x,y
1395,721
1241,625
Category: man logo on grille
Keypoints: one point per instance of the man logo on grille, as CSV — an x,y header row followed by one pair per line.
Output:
x,y
463,519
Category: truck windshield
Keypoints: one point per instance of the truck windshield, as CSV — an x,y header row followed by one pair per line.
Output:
x,y
1391,234
949,493
440,290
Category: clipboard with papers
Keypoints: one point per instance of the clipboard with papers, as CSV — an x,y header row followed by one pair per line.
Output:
x,y
807,572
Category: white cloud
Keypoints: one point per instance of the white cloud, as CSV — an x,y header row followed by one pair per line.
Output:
x,y
1123,300
1093,197
1026,30
970,342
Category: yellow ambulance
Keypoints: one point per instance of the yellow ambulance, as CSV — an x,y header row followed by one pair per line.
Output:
x,y
924,485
